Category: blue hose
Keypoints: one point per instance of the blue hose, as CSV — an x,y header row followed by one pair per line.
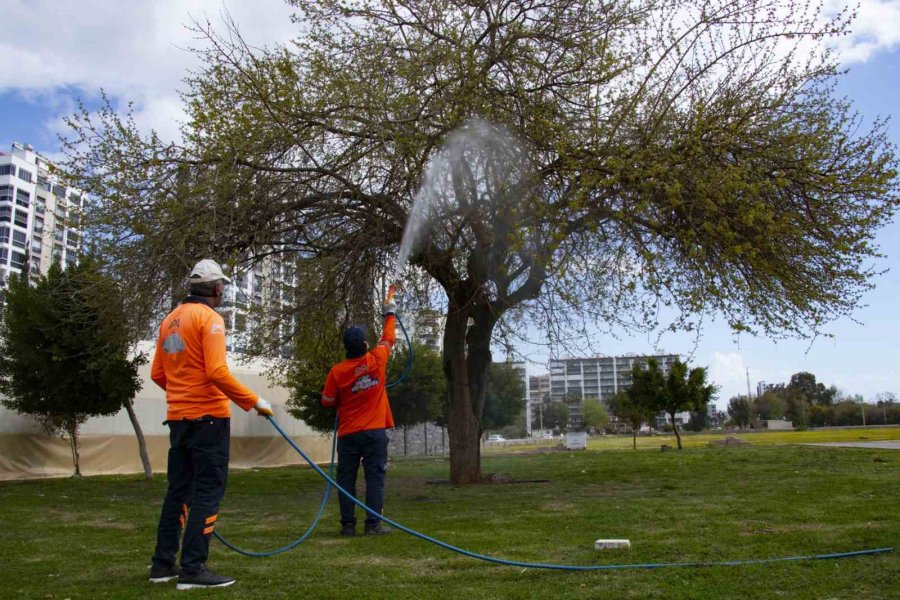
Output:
x,y
530,565
500,561
327,491
409,361
312,525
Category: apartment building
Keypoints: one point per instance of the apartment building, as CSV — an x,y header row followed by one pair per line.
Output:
x,y
40,216
600,377
270,283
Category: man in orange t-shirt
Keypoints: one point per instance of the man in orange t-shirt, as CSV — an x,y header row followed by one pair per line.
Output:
x,y
356,386
189,364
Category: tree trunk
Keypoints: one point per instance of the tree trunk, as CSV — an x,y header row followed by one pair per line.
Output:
x,y
72,430
142,444
463,426
675,429
634,439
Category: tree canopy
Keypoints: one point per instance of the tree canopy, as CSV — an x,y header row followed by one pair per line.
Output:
x,y
64,349
588,161
629,408
505,397
675,391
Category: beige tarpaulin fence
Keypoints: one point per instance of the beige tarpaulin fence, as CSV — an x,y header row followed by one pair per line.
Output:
x,y
108,445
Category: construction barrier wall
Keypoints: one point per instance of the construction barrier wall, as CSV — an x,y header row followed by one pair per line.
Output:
x,y
108,445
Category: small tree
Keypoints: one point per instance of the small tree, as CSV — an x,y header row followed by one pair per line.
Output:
x,y
739,411
555,415
64,351
678,390
595,415
699,419
627,407
505,396
419,397
769,406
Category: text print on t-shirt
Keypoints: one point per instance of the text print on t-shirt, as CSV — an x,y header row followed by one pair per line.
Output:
x,y
364,383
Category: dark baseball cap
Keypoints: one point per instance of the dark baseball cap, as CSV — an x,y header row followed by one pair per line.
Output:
x,y
355,341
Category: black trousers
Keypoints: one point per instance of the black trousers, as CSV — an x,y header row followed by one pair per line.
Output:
x,y
197,474
370,448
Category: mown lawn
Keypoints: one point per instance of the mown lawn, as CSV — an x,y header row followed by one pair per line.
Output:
x,y
693,440
92,537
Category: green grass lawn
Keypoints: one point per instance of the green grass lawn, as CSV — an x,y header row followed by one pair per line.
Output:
x,y
693,440
93,537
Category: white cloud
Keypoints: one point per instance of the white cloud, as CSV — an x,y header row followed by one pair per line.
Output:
x,y
136,51
728,371
875,29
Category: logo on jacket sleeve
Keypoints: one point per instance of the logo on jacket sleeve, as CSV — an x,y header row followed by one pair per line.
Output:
x,y
363,383
216,328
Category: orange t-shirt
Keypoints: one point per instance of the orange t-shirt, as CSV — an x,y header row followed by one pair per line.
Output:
x,y
189,364
357,387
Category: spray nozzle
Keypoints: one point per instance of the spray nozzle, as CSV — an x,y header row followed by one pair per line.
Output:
x,y
391,290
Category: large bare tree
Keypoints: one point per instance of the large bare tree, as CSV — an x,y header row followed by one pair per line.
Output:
x,y
587,160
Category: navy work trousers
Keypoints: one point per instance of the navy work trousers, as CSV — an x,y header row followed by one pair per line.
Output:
x,y
370,448
197,474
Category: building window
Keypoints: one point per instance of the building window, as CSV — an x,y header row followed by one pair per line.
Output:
x,y
20,239
4,255
60,212
40,205
17,259
6,213
71,259
25,175
59,190
35,264
72,239
21,219
4,235
6,193
43,183
36,247
8,170
23,198
38,227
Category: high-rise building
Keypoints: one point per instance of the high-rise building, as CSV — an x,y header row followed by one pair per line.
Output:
x,y
40,216
600,377
271,282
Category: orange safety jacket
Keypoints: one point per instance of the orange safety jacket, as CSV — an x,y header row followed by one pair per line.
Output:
x,y
189,364
357,387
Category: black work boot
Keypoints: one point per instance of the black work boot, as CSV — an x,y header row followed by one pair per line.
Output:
x,y
348,529
204,578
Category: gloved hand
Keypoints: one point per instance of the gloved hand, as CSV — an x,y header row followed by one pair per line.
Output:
x,y
263,408
390,307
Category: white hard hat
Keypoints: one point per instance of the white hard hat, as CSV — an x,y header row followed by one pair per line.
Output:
x,y
207,270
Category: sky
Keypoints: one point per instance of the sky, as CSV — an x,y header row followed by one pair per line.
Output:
x,y
57,53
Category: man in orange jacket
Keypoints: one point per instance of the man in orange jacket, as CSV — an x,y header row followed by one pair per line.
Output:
x,y
356,386
189,364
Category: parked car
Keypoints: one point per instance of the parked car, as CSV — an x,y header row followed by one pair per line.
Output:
x,y
496,437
